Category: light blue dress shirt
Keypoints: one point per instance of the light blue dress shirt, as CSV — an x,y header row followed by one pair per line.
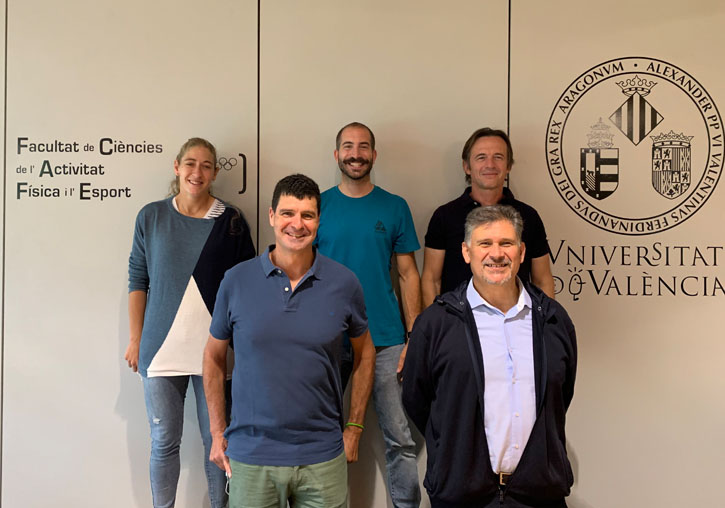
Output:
x,y
508,363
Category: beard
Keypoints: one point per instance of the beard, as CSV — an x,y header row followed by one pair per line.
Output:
x,y
364,171
498,282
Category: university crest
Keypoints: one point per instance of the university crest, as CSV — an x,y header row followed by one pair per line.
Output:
x,y
638,166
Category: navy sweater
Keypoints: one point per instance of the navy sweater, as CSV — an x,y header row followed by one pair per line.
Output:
x,y
169,249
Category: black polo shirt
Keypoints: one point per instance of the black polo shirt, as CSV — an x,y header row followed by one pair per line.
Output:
x,y
446,231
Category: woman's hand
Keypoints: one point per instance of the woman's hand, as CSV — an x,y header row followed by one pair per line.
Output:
x,y
136,310
131,355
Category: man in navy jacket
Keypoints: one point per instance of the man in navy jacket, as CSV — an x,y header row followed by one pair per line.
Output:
x,y
488,378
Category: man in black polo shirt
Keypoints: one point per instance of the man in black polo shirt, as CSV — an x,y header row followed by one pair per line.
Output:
x,y
487,159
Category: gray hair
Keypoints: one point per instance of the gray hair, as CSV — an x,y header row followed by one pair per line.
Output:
x,y
485,215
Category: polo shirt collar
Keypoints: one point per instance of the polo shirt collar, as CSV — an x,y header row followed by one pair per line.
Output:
x,y
269,268
506,199
467,199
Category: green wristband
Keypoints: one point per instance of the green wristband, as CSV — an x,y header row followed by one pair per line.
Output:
x,y
351,424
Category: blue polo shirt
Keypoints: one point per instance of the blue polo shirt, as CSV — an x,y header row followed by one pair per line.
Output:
x,y
363,234
286,389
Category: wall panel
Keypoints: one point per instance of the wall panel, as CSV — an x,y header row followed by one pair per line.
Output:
x,y
643,409
2,222
93,77
422,75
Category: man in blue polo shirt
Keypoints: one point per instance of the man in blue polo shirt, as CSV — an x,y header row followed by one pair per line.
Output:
x,y
364,227
287,311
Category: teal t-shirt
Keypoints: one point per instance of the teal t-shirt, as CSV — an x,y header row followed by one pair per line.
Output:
x,y
363,234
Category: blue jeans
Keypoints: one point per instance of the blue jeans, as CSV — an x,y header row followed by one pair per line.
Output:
x,y
400,462
165,408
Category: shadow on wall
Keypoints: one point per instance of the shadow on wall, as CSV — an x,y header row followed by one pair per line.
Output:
x,y
366,489
130,407
573,501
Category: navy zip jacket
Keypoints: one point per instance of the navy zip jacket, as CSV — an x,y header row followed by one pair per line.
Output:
x,y
443,385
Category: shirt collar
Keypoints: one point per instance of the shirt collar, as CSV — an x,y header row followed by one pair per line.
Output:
x,y
506,199
270,268
476,300
468,200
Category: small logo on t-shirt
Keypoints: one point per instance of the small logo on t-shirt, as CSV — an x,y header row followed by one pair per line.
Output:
x,y
380,227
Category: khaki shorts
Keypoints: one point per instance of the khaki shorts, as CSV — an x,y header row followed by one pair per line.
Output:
x,y
322,485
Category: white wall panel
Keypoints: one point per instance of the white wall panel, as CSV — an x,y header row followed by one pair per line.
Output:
x,y
422,75
645,404
74,424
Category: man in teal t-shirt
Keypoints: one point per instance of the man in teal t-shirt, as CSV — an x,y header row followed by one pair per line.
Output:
x,y
363,226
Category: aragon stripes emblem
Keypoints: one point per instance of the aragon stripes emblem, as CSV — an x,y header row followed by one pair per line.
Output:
x,y
636,117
